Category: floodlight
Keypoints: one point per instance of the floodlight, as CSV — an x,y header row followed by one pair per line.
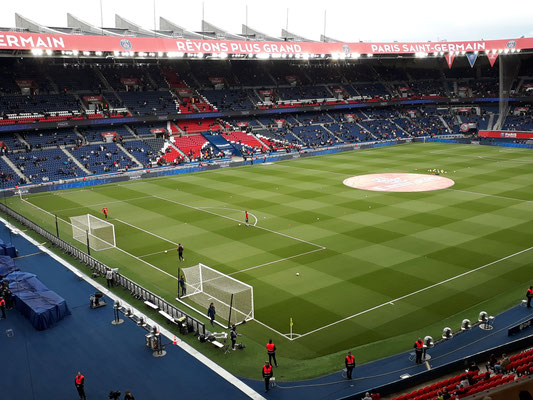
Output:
x,y
506,51
447,333
200,55
465,325
37,52
483,316
75,52
370,55
356,55
86,53
160,54
98,53
116,53
223,55
49,52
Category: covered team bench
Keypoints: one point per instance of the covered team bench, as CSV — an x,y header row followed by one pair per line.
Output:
x,y
35,301
7,266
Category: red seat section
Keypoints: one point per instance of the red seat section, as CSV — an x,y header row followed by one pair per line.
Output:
x,y
199,125
191,145
246,139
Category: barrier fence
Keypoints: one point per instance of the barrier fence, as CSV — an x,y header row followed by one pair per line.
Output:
x,y
134,288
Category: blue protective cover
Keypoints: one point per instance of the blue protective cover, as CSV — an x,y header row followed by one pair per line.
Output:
x,y
35,301
7,266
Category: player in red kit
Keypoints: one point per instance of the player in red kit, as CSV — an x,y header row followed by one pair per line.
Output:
x,y
246,217
104,210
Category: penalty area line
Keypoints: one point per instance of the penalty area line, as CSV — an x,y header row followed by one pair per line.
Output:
x,y
415,292
276,261
236,220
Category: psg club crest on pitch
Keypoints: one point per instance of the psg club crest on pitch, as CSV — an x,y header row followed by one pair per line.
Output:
x,y
125,44
511,44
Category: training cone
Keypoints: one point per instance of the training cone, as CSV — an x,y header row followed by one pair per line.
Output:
x,y
175,341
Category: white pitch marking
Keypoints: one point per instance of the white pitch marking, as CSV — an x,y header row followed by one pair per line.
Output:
x,y
157,252
490,195
276,261
416,292
236,220
231,209
103,204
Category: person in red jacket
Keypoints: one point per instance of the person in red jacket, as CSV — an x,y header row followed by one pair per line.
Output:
x,y
79,381
271,350
349,361
529,296
246,217
268,373
419,350
104,210
3,307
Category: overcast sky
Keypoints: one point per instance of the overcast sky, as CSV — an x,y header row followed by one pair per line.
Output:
x,y
367,20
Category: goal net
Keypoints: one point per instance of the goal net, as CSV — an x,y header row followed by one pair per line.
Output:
x,y
233,299
101,233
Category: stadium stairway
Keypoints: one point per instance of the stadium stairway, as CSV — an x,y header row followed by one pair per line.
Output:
x,y
14,168
130,155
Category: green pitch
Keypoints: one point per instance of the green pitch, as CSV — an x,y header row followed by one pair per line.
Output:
x,y
376,270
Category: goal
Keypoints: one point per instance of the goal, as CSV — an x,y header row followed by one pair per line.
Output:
x,y
101,233
233,299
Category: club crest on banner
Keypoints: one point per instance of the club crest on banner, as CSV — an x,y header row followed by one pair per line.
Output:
x,y
492,58
511,44
126,44
472,57
449,59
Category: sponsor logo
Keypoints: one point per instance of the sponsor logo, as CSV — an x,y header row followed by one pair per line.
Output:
x,y
464,127
511,44
346,48
126,44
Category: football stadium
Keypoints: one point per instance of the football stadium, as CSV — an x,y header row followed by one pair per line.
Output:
x,y
178,206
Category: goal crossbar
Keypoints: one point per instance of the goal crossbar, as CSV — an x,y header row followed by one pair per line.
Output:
x,y
233,299
100,234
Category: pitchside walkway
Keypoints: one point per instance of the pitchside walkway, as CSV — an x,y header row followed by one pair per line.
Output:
x,y
42,365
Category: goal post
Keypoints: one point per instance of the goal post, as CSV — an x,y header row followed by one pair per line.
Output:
x,y
233,299
101,234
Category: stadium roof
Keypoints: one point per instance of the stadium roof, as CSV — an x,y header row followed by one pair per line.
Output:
x,y
128,39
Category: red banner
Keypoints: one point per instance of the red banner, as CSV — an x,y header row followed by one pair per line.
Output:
x,y
449,59
506,135
130,81
92,98
266,92
158,130
21,40
24,84
215,80
184,92
492,58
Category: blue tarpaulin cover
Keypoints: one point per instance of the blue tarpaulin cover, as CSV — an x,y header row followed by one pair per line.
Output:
x,y
7,265
35,301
